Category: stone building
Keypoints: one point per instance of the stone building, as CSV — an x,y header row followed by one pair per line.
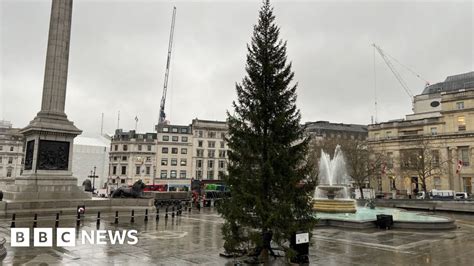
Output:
x,y
443,119
174,156
326,130
132,157
209,155
11,151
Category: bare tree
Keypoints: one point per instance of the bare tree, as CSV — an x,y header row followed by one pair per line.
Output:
x,y
424,161
363,163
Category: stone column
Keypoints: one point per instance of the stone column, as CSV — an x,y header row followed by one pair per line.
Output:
x,y
57,57
50,135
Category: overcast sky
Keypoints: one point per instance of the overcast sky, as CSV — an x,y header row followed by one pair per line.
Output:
x,y
118,56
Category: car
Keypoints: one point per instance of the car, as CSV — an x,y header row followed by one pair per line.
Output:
x,y
461,195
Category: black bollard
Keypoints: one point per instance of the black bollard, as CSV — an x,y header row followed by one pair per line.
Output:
x,y
13,221
166,212
157,214
132,220
146,215
35,221
78,219
98,218
172,215
56,224
116,218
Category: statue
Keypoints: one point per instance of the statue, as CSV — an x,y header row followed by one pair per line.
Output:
x,y
87,185
134,192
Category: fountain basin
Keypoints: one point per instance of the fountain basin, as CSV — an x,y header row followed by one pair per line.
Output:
x,y
334,205
365,218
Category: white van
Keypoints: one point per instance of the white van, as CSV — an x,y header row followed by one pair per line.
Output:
x,y
442,194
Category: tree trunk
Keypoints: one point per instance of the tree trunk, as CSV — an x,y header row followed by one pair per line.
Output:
x,y
423,185
361,192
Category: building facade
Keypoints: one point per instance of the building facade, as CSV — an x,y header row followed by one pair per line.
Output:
x,y
443,122
174,156
325,130
209,154
132,157
11,151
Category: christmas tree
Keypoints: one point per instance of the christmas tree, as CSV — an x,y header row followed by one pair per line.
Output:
x,y
268,173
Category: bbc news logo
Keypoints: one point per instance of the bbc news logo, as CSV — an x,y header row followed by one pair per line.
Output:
x,y
66,237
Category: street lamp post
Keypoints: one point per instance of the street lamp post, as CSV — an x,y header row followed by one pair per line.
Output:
x,y
93,177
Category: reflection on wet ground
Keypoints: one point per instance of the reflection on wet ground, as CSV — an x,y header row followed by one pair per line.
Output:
x,y
195,238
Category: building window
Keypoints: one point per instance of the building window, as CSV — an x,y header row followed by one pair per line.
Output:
x,y
1,148
200,153
222,135
139,147
435,158
222,145
164,162
200,143
184,151
461,123
183,162
9,172
210,164
10,160
149,147
437,182
124,158
174,162
182,174
148,159
199,133
199,163
147,169
211,144
174,150
1,161
165,138
434,131
125,147
199,174
389,160
165,129
174,138
124,170
164,174
164,150
460,105
210,174
222,154
211,134
137,171
221,164
184,139
122,181
464,156
115,158
114,170
211,153
184,130
174,130
173,174
11,148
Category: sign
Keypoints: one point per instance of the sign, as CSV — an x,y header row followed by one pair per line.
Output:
x,y
302,238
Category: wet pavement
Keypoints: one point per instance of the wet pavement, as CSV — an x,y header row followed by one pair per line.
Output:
x,y
195,238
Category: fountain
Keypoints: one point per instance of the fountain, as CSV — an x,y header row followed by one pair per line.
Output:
x,y
332,193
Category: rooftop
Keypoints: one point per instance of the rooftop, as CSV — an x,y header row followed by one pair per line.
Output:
x,y
452,83
326,125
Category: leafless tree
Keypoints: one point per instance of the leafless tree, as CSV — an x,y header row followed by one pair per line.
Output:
x,y
424,161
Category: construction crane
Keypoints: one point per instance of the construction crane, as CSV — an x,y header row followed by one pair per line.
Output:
x,y
394,71
162,117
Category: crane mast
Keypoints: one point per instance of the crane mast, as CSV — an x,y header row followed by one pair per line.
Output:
x,y
162,115
394,71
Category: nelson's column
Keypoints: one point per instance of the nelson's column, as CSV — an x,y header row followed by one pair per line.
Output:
x,y
49,136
